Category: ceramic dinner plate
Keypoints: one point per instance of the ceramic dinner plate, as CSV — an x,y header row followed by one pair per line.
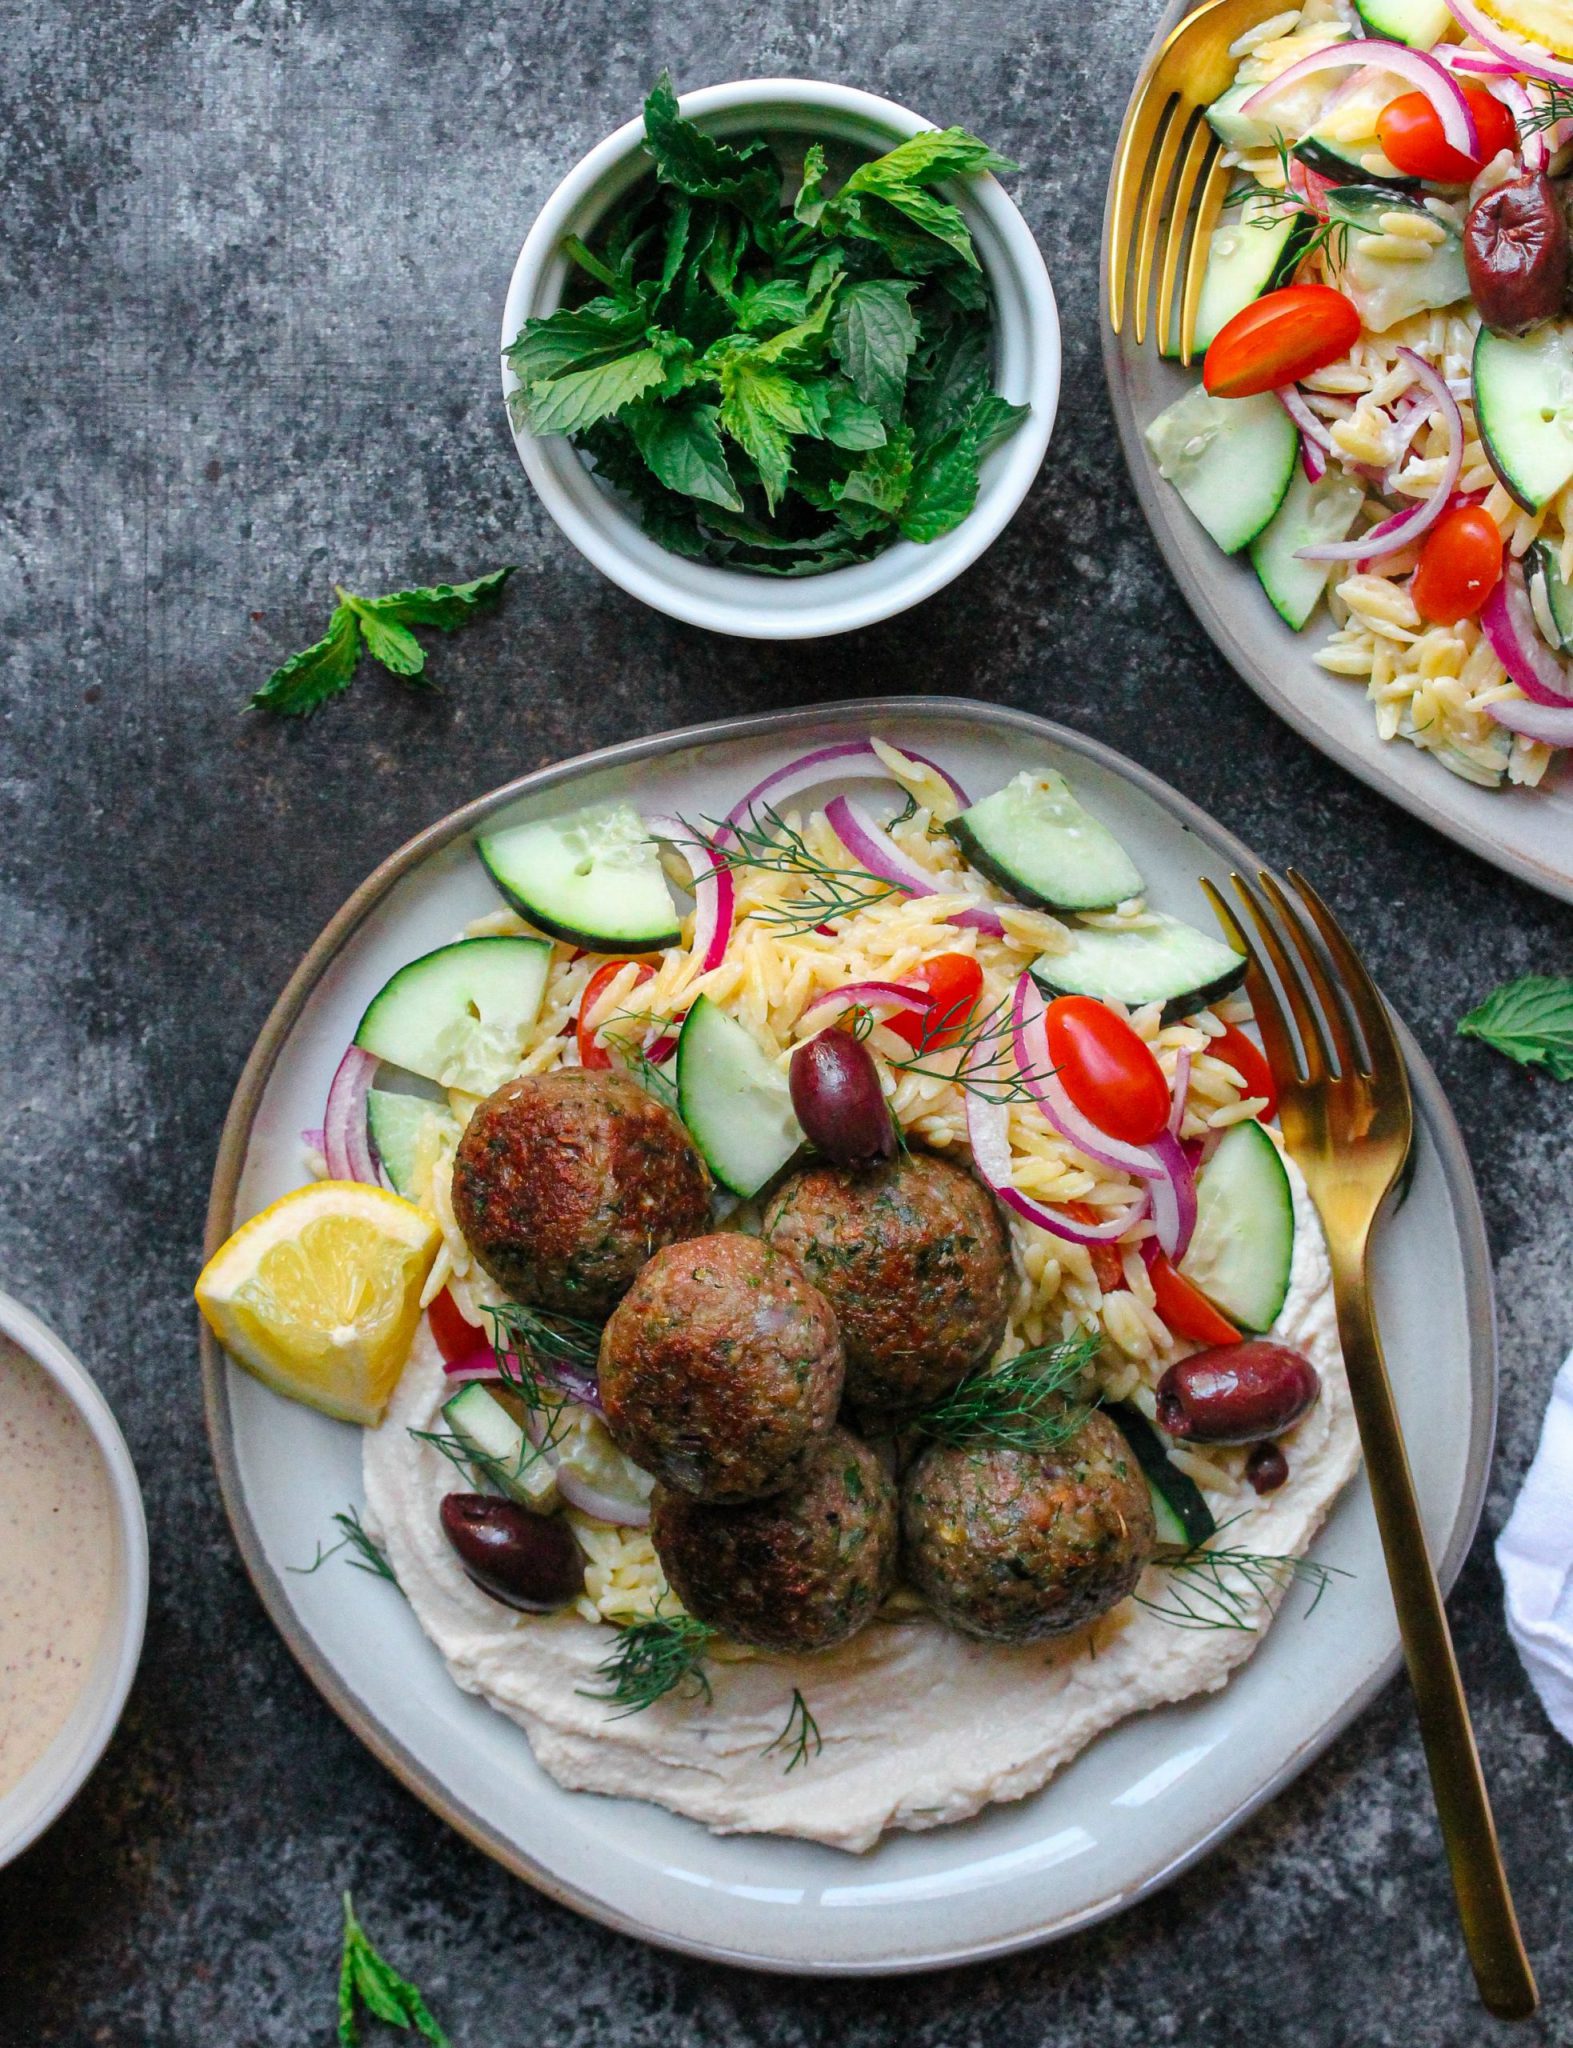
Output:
x,y
1139,1805
1529,832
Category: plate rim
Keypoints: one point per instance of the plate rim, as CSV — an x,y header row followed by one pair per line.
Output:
x,y
363,1722
1366,763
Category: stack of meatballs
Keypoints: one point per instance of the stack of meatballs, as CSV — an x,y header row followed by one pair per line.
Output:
x,y
765,1381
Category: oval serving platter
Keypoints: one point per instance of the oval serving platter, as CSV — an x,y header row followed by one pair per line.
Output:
x,y
1144,1801
1527,832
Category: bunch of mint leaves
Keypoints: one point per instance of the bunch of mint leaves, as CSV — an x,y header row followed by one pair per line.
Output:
x,y
782,386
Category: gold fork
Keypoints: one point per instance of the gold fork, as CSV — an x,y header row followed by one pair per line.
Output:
x,y
1344,1108
1165,124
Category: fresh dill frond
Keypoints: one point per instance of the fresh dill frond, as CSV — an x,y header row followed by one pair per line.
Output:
x,y
1218,1586
521,1333
1273,207
800,1738
370,1557
663,1654
1023,1404
767,842
975,1031
1557,105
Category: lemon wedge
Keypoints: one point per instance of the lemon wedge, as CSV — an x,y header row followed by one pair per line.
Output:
x,y
320,1294
1546,22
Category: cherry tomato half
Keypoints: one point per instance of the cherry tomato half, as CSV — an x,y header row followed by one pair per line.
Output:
x,y
1410,132
1278,339
591,1051
455,1337
1185,1308
954,982
1249,1062
1108,1268
1460,564
1108,1072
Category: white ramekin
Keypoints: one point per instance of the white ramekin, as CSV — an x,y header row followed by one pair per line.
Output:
x,y
62,1770
1027,371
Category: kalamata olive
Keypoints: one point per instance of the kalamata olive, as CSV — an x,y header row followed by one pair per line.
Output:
x,y
524,1560
839,1102
1236,1393
1516,251
1267,1468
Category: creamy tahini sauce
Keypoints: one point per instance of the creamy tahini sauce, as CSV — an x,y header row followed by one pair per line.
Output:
x,y
57,1560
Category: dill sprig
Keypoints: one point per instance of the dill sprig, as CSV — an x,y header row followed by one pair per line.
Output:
x,y
536,1389
1274,207
522,1335
663,1654
975,1031
1556,106
654,1079
767,841
1021,1404
1217,1587
369,1557
800,1738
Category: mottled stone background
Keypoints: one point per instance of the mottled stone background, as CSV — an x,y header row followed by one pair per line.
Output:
x,y
252,267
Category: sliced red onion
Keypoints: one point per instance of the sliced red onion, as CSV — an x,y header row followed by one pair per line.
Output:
x,y
1173,1196
1475,62
1523,56
313,1140
873,848
1310,186
883,998
809,770
1180,1088
1534,145
1035,1064
1403,528
1508,623
346,1143
1311,428
1312,460
474,1365
576,1489
714,890
1552,727
988,1133
1415,67
1412,414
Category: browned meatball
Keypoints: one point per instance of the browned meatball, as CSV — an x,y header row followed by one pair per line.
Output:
x,y
916,1263
1014,1546
720,1366
799,1571
564,1184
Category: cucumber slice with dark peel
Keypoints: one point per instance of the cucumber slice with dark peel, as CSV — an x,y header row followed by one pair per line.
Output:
x,y
1230,459
1312,512
460,1016
736,1102
1242,1249
1419,23
399,1126
1550,596
1034,839
592,879
1386,293
1167,962
1254,248
1348,163
1179,1507
503,1455
1524,409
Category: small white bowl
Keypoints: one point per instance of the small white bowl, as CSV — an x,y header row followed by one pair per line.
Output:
x,y
60,1773
1027,371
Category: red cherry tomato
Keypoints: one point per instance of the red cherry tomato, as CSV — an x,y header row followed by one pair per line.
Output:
x,y
954,982
1460,563
1410,132
1184,1308
1108,1072
455,1337
591,1051
1108,1268
1278,339
1249,1062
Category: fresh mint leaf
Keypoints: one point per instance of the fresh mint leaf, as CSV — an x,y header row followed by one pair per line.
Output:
x,y
365,1979
761,408
446,606
1531,1020
925,211
685,156
575,338
668,518
770,301
682,446
577,252
317,673
805,341
569,403
849,423
945,481
395,646
675,247
958,378
872,336
810,201
926,158
884,476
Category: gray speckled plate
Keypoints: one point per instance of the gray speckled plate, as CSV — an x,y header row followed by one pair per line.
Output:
x,y
1529,832
1142,1802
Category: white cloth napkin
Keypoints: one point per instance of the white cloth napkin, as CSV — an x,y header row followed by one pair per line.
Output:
x,y
1535,1552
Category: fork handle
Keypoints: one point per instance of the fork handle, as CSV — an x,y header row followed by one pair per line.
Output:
x,y
1485,1905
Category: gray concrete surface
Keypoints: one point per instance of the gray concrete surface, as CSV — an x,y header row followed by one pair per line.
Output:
x,y
251,275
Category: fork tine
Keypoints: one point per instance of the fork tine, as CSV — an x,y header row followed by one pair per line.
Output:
x,y
1333,1010
1163,162
1314,1055
1207,213
1271,1022
1130,182
1201,143
1383,1053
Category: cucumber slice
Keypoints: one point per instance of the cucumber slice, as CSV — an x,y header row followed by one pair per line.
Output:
x,y
592,879
1179,1508
1033,838
1550,596
405,1129
1243,1246
1320,511
734,1100
1385,292
1419,23
460,1016
1524,408
1351,163
1234,129
1169,962
1253,249
1230,459
503,1454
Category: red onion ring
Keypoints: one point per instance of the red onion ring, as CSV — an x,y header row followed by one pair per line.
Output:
x,y
1404,527
1035,1064
884,998
877,852
1312,460
1172,1192
1311,428
988,1133
577,1490
1552,727
475,1365
714,891
1417,69
313,1140
1508,622
1472,61
346,1142
1534,145
1180,1088
1525,57
809,770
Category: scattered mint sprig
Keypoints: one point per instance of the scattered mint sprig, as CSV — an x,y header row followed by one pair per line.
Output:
x,y
379,626
1531,1020
366,1980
